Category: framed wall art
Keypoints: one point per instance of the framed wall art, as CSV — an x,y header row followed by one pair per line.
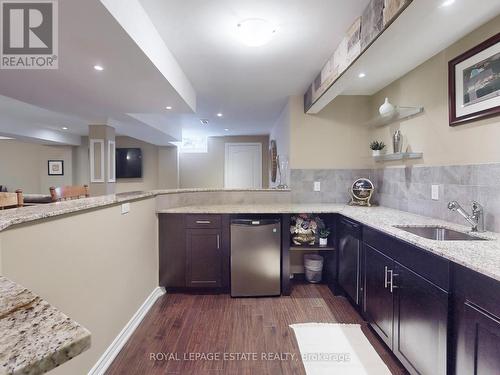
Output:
x,y
55,167
474,83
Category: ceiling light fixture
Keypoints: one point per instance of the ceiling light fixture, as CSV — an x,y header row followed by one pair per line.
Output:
x,y
64,128
447,3
226,130
361,75
168,107
255,32
2,138
219,115
98,68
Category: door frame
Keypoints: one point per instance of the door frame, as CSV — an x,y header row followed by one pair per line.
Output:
x,y
226,158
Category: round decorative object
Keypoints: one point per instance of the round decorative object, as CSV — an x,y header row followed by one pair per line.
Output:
x,y
386,109
273,157
361,192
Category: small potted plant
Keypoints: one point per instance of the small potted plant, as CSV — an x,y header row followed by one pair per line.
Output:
x,y
323,236
378,148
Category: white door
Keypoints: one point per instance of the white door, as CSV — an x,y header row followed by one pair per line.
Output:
x,y
243,166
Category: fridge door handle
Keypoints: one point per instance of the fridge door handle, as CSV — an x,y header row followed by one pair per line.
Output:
x,y
218,242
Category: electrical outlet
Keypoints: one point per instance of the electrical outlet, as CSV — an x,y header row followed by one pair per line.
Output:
x,y
435,192
125,208
317,185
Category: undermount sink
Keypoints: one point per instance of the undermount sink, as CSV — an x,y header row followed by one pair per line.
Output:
x,y
439,233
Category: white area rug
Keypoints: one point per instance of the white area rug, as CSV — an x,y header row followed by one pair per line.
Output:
x,y
337,349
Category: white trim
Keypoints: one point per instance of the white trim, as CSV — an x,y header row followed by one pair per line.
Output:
x,y
93,178
119,342
226,157
111,161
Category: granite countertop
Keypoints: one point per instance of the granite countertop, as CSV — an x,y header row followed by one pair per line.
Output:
x,y
36,337
31,213
480,256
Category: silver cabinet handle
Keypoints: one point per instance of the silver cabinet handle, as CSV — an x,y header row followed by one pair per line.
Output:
x,y
202,221
218,242
393,275
386,282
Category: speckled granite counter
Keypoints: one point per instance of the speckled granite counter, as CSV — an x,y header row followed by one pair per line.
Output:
x,y
480,256
31,213
35,336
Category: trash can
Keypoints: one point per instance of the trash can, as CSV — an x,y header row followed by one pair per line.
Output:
x,y
313,265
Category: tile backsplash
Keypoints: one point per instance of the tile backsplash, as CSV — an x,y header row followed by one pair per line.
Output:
x,y
409,188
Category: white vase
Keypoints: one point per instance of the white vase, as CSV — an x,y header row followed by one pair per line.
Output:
x,y
386,109
378,152
323,241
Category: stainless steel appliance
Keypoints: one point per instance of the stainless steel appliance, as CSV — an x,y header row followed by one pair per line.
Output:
x,y
350,258
255,257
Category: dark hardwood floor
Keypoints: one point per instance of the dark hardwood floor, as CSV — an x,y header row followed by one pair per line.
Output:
x,y
183,324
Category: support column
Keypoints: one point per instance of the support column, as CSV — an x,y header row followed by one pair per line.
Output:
x,y
102,159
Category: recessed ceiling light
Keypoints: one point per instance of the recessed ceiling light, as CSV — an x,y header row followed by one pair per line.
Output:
x,y
99,68
226,130
5,138
361,75
255,32
64,128
168,107
447,3
219,115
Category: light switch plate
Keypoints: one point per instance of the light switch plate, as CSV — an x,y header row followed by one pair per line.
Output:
x,y
125,208
435,192
317,185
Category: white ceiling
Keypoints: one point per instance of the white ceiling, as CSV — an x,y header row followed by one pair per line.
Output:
x,y
76,95
249,85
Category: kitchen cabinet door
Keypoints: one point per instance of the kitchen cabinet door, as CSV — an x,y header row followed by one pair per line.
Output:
x,y
420,323
378,299
172,252
203,258
478,342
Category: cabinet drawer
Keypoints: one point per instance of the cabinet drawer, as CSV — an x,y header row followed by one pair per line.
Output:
x,y
203,221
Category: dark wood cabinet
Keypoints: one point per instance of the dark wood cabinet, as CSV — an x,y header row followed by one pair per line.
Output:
x,y
420,323
408,312
194,252
349,259
378,299
203,258
172,249
477,324
480,343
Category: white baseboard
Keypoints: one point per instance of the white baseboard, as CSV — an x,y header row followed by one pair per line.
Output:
x,y
112,351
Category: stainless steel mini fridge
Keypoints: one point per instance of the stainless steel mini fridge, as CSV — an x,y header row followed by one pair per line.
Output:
x,y
255,257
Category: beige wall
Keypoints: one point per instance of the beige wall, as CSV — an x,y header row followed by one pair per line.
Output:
x,y
427,85
159,167
98,267
206,170
168,168
23,165
334,138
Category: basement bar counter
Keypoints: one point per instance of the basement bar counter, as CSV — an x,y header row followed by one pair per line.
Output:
x,y
31,241
479,256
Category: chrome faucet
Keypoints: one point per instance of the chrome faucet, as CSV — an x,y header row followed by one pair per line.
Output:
x,y
477,217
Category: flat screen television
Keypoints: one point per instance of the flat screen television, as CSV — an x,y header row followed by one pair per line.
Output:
x,y
128,163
